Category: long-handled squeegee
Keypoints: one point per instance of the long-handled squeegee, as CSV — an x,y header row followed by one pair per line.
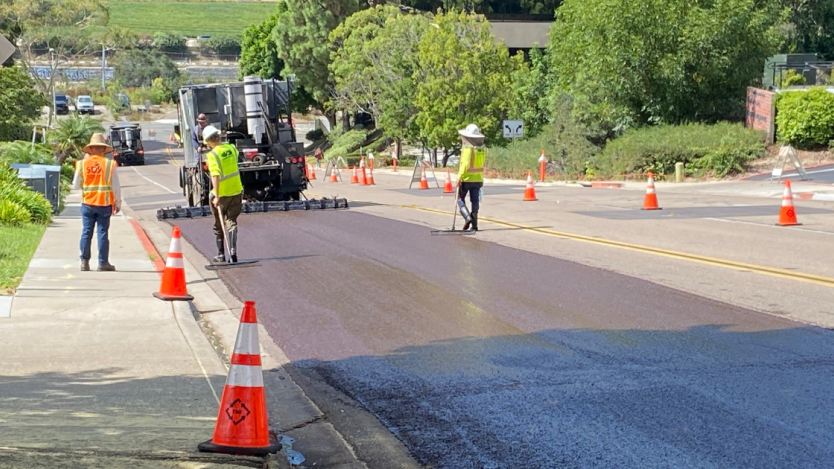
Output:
x,y
464,213
228,264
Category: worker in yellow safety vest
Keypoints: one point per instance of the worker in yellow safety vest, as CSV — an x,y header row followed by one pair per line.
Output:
x,y
471,172
226,190
96,176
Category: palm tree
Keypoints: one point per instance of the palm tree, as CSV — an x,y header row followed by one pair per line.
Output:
x,y
26,153
71,136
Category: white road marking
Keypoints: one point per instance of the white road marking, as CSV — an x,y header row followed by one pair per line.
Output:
x,y
770,226
152,181
808,172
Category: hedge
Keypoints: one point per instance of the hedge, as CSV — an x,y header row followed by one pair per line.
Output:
x,y
805,118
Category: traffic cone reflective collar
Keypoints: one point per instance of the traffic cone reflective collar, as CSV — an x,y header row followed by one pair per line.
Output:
x,y
650,201
787,216
173,286
447,188
355,178
242,423
424,183
530,192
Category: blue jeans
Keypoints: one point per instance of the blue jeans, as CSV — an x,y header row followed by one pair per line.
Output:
x,y
474,190
92,215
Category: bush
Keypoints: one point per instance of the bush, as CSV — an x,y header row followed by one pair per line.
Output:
x,y
26,153
13,214
720,149
221,45
805,118
168,42
792,78
348,143
314,135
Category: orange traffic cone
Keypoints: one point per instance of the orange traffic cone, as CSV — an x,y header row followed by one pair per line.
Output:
x,y
242,426
354,179
371,177
333,177
787,216
650,202
364,180
529,192
173,278
312,172
424,183
447,188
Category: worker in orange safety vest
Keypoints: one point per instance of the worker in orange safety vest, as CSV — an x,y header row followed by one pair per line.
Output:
x,y
96,176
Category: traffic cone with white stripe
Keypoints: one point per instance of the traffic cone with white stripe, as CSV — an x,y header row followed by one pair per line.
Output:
x,y
354,179
333,176
787,216
447,188
311,172
529,191
650,201
364,180
424,183
371,177
242,423
173,286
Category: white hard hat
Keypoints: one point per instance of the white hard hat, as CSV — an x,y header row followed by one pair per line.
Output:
x,y
210,130
471,131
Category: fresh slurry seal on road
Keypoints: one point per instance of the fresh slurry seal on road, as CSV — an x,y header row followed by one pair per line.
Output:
x,y
478,355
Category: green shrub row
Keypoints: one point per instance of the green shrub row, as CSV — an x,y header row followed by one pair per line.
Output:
x,y
721,149
347,143
805,118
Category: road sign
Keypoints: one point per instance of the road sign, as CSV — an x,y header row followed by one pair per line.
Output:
x,y
513,129
6,49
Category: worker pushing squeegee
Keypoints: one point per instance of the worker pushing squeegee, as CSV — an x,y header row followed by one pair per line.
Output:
x,y
226,196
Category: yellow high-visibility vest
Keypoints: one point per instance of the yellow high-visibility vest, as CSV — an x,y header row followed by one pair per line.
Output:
x,y
222,163
472,164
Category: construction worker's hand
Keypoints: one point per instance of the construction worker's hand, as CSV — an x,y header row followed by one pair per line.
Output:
x,y
215,201
117,207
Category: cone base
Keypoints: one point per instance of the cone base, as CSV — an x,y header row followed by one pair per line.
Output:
x,y
530,200
651,208
209,447
162,297
448,191
788,224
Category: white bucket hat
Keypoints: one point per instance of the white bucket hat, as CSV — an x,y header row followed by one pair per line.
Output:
x,y
210,130
471,131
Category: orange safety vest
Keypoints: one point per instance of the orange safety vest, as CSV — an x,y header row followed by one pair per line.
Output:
x,y
96,187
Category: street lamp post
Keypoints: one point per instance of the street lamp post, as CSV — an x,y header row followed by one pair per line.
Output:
x,y
52,111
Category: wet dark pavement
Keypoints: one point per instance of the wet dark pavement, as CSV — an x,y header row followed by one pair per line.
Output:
x,y
478,355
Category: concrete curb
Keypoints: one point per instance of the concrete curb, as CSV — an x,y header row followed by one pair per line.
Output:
x,y
814,196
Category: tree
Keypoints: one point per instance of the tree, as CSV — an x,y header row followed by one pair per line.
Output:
x,y
65,26
811,27
302,41
168,42
464,78
530,89
134,68
20,103
537,7
71,135
258,51
221,45
629,63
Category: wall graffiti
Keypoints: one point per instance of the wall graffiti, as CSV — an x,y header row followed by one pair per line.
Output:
x,y
73,74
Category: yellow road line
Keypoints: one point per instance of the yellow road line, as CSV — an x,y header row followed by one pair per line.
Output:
x,y
171,154
741,266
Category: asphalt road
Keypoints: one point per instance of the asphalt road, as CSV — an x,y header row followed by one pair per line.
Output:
x,y
478,355
823,173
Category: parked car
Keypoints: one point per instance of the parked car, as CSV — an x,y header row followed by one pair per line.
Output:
x,y
84,105
62,104
126,140
122,100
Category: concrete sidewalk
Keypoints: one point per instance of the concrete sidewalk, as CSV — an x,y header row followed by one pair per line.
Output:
x,y
98,373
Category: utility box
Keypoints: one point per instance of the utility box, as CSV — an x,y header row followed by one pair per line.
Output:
x,y
45,179
778,65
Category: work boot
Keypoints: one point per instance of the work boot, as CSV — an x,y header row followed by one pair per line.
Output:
x,y
221,251
106,267
233,245
474,222
85,266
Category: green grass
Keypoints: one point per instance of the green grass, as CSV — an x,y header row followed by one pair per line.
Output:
x,y
17,245
189,18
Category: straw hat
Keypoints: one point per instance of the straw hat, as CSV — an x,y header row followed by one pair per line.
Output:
x,y
97,140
